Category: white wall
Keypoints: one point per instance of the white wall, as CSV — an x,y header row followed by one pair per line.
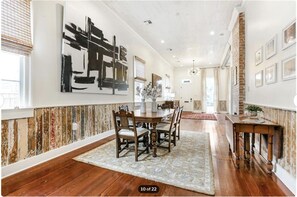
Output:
x,y
46,55
194,89
181,73
264,19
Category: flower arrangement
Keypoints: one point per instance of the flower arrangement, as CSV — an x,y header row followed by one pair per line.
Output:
x,y
149,92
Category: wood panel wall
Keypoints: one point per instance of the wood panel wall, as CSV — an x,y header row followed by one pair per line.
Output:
x,y
51,128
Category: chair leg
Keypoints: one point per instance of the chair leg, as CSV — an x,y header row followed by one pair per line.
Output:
x,y
159,136
136,150
118,144
169,142
178,132
174,138
147,144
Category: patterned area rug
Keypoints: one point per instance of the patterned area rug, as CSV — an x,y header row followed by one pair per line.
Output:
x,y
188,165
198,116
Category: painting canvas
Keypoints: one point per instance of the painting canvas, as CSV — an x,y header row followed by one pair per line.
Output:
x,y
258,56
270,74
289,68
92,60
259,79
270,48
289,35
157,81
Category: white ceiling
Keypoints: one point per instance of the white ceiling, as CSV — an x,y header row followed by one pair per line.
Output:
x,y
185,27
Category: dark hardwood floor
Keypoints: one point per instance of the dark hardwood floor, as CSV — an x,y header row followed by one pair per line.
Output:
x,y
63,176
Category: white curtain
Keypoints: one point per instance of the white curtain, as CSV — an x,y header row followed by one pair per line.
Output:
x,y
203,93
216,73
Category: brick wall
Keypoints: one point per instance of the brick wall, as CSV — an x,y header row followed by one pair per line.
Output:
x,y
238,62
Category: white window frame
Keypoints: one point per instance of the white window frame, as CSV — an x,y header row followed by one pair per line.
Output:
x,y
25,109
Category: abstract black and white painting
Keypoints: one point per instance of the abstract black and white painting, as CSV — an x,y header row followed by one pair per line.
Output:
x,y
91,61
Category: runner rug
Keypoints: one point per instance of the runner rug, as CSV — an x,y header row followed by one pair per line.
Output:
x,y
188,165
198,116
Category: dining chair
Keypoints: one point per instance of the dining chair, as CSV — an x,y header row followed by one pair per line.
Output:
x,y
124,107
168,131
168,121
178,122
126,134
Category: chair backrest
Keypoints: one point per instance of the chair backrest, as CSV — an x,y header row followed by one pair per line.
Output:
x,y
180,114
124,107
121,120
174,119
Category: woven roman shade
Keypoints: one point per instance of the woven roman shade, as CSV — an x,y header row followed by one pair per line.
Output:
x,y
16,26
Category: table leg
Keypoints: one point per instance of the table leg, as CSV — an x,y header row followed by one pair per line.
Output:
x,y
253,143
247,146
154,139
237,149
269,155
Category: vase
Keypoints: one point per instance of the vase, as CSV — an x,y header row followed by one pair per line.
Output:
x,y
154,105
142,106
253,113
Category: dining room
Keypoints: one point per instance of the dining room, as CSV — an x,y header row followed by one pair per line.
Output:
x,y
133,98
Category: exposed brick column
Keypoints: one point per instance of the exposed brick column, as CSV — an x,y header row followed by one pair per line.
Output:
x,y
238,62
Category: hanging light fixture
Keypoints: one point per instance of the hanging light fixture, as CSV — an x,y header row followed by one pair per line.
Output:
x,y
193,71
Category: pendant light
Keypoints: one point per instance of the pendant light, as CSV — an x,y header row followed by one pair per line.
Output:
x,y
193,71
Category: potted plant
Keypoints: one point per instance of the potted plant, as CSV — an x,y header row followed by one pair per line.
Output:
x,y
254,109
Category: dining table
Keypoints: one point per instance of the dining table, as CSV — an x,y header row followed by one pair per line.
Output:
x,y
153,118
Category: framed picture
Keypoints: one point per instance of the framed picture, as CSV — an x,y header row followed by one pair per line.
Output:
x,y
139,68
270,74
259,79
157,82
289,68
258,56
270,48
289,35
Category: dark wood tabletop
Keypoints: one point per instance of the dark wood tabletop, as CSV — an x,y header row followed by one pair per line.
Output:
x,y
235,119
149,114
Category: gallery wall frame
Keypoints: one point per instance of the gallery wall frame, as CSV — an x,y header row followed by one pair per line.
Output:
x,y
271,74
289,35
289,68
271,47
259,79
259,56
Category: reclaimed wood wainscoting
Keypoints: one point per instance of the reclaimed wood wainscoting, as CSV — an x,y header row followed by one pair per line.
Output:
x,y
52,128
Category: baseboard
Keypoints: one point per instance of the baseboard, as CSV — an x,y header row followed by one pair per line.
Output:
x,y
288,180
38,159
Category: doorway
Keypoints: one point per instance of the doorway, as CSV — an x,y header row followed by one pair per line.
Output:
x,y
209,97
186,94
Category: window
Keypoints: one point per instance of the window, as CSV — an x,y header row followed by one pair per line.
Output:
x,y
186,81
16,47
13,84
